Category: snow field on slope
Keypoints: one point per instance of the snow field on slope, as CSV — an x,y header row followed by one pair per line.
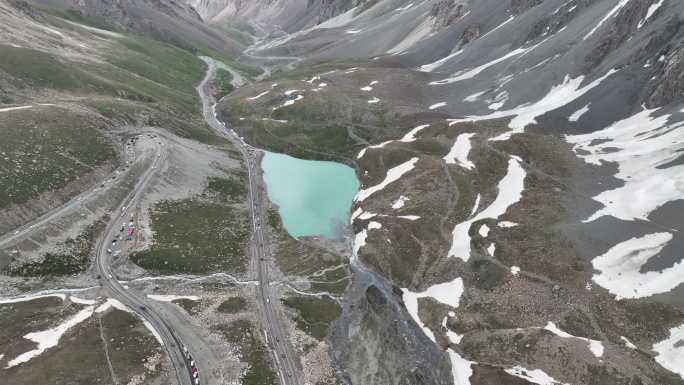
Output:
x,y
620,268
644,144
535,376
671,351
557,97
393,174
595,346
50,338
459,152
510,188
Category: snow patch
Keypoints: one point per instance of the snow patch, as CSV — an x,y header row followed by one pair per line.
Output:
x,y
510,191
469,74
578,114
474,97
50,338
515,270
595,346
14,108
31,298
289,102
437,105
454,338
399,203
434,65
610,14
627,342
535,376
409,217
259,96
461,369
374,101
448,293
644,143
620,268
491,249
459,152
510,18
411,135
392,175
483,231
558,96
366,215
671,351
499,101
506,224
82,301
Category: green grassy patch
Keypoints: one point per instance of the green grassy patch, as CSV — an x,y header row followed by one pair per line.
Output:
x,y
193,236
39,69
314,314
488,275
243,334
232,305
641,314
223,83
238,35
578,324
162,63
44,148
298,258
231,188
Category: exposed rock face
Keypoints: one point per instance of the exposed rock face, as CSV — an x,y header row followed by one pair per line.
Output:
x,y
669,81
471,33
521,6
377,344
446,12
173,21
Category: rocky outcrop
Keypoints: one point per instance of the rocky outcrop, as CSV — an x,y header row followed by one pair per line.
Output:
x,y
376,343
667,85
172,21
446,12
521,6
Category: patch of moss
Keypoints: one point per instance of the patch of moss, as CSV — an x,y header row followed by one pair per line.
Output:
x,y
231,188
223,83
314,314
232,305
193,236
44,148
488,275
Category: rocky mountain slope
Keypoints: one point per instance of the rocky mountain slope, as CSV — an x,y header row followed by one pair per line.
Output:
x,y
171,21
522,182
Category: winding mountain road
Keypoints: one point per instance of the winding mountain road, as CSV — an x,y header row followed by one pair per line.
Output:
x,y
137,302
287,363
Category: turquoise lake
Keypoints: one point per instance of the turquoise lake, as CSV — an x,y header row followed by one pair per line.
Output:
x,y
314,197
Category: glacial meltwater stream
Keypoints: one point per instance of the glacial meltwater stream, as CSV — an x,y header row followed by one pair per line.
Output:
x,y
314,197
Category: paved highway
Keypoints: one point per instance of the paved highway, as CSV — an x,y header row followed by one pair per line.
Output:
x,y
287,364
135,301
